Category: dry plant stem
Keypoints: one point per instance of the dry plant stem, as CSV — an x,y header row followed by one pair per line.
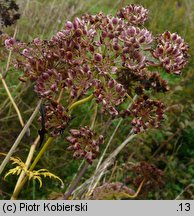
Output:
x,y
138,190
32,150
76,181
45,146
12,100
28,161
6,87
22,133
183,191
83,169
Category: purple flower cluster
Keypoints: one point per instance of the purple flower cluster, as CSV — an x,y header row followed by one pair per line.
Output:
x,y
48,84
172,52
152,176
84,144
135,40
147,113
79,80
134,14
56,119
111,57
110,96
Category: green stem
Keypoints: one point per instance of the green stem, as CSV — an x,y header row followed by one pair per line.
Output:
x,y
74,105
41,152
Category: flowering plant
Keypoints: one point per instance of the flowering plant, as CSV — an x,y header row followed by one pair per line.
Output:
x,y
105,58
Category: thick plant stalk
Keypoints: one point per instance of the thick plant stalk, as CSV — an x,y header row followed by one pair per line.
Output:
x,y
45,146
22,133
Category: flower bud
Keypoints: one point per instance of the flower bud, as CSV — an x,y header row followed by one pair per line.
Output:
x,y
78,32
115,21
98,57
9,42
69,25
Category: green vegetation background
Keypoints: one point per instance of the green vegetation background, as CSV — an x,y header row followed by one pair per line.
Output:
x,y
170,148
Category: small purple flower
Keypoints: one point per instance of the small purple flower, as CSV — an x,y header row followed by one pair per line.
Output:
x,y
9,43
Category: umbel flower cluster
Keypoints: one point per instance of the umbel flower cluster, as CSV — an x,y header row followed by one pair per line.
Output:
x,y
8,13
83,143
152,176
109,191
112,57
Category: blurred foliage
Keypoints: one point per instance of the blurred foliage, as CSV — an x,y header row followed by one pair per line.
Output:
x,y
170,148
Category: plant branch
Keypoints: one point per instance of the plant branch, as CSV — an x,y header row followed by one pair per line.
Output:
x,y
12,100
76,181
77,103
